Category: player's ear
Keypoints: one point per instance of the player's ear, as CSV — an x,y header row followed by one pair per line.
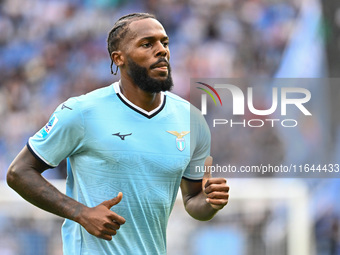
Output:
x,y
118,58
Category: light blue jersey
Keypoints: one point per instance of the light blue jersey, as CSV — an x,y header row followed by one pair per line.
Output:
x,y
112,145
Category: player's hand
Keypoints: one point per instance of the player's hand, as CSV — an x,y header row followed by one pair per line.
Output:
x,y
215,189
100,221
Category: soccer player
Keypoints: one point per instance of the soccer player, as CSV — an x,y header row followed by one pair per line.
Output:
x,y
133,137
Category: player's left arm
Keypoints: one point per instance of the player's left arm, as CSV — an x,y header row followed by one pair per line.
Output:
x,y
202,200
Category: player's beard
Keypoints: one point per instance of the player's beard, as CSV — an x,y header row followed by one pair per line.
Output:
x,y
142,79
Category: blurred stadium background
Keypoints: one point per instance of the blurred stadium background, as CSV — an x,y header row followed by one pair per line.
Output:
x,y
51,50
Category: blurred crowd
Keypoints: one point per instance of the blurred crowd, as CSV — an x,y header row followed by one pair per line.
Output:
x,y
51,50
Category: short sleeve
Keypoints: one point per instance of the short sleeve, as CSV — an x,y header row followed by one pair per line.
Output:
x,y
200,142
61,137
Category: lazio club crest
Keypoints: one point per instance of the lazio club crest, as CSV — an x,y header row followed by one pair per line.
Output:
x,y
180,141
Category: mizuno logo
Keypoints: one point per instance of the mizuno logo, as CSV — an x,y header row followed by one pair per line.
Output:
x,y
64,106
122,136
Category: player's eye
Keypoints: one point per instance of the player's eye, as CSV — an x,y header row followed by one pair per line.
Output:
x,y
165,44
146,45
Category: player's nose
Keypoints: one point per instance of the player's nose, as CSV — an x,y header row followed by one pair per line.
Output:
x,y
161,50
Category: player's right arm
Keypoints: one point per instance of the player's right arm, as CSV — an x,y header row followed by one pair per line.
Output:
x,y
62,137
24,176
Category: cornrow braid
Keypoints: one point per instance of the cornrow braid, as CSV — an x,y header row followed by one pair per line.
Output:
x,y
119,31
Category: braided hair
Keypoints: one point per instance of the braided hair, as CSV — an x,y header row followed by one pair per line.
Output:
x,y
119,31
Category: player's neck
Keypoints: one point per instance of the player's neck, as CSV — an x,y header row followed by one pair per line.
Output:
x,y
145,100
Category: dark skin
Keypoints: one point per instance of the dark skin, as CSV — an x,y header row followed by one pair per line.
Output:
x,y
24,176
145,43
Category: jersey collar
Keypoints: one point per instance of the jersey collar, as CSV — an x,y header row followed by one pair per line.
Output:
x,y
136,108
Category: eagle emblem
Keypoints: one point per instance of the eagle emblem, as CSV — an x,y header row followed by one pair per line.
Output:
x,y
180,141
